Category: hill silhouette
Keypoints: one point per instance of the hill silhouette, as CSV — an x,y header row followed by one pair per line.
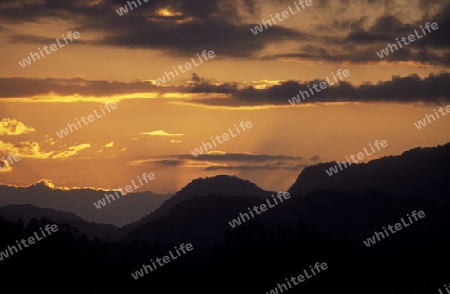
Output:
x,y
122,211
419,173
217,185
92,230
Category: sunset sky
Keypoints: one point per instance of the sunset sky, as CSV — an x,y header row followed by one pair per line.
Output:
x,y
154,129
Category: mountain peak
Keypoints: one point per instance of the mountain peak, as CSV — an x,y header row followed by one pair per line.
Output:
x,y
219,185
222,184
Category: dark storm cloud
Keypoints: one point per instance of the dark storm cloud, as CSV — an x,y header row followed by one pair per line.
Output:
x,y
341,24
237,157
363,56
24,87
412,88
387,28
225,39
356,37
168,163
233,161
203,24
363,41
433,89
222,26
257,167
201,85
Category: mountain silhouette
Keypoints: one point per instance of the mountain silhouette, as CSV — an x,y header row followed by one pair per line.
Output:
x,y
349,205
26,212
92,230
419,173
217,185
122,211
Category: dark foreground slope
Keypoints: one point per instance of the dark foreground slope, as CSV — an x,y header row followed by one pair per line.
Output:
x,y
251,259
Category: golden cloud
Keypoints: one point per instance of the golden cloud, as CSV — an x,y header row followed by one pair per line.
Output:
x,y
161,133
29,149
13,127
